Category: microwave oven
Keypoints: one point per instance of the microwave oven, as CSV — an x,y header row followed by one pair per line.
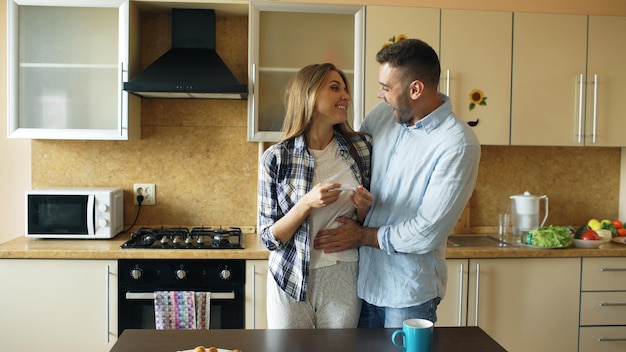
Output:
x,y
74,213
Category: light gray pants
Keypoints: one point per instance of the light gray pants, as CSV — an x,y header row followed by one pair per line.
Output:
x,y
331,301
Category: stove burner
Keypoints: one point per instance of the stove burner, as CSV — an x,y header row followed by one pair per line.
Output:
x,y
183,238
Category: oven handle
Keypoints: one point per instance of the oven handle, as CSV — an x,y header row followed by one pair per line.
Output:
x,y
150,295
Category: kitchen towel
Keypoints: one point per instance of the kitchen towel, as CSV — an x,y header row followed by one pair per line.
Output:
x,y
182,310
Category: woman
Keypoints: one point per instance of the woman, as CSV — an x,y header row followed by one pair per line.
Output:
x,y
299,179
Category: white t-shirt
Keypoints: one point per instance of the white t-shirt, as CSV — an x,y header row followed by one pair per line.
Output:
x,y
330,167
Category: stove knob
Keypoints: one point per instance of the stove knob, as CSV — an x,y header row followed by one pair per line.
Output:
x,y
181,274
136,273
225,274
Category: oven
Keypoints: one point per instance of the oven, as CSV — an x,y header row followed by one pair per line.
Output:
x,y
139,279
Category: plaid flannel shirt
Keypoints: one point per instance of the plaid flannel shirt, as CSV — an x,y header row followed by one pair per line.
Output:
x,y
285,176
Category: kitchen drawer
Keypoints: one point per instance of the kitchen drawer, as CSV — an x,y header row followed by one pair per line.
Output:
x,y
603,308
604,274
603,339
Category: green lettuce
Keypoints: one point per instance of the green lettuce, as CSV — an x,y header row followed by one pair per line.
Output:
x,y
551,236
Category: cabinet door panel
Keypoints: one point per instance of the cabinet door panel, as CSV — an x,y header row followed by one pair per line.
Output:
x,y
452,311
385,22
256,279
526,304
476,54
283,38
607,60
58,305
603,339
549,57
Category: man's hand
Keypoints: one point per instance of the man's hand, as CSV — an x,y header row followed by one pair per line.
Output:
x,y
348,236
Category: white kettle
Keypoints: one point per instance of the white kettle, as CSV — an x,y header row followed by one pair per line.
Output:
x,y
525,212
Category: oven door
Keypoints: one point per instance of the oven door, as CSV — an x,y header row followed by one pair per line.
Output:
x,y
136,309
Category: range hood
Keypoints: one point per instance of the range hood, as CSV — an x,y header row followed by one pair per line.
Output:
x,y
191,68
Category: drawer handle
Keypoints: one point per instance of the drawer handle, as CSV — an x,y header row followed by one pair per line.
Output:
x,y
612,269
606,339
607,304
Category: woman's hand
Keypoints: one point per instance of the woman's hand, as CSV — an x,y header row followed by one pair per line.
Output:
x,y
321,195
362,198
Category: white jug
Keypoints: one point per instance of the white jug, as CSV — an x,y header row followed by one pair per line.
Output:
x,y
525,212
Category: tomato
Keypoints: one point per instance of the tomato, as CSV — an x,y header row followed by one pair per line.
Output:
x,y
621,232
618,224
589,235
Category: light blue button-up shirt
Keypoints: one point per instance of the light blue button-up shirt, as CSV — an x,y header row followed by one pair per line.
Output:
x,y
422,177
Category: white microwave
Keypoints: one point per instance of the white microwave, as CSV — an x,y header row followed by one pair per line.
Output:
x,y
74,213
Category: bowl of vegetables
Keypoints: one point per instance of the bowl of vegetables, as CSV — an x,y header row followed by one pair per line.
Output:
x,y
590,239
548,237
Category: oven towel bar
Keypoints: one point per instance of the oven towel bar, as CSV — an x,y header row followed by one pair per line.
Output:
x,y
182,310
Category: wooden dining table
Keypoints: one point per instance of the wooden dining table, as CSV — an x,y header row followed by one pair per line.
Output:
x,y
448,339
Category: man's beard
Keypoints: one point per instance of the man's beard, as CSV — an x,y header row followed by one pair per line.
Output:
x,y
404,113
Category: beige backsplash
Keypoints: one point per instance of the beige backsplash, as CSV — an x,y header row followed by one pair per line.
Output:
x,y
196,152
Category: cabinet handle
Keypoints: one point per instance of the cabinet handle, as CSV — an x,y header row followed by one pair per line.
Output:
x,y
608,339
107,302
595,106
121,104
612,269
580,108
253,296
477,292
448,82
607,304
460,294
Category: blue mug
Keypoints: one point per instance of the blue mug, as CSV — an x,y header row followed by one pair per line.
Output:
x,y
417,335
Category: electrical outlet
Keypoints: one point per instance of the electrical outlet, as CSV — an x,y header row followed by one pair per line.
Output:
x,y
147,190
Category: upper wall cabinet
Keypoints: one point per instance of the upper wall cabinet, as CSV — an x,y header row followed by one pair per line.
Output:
x,y
568,76
283,38
384,25
66,64
476,70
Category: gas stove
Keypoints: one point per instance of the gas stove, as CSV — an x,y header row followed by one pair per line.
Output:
x,y
184,238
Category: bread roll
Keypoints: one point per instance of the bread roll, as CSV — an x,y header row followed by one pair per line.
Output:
x,y
199,349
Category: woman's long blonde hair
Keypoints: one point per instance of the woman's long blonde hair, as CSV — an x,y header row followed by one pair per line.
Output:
x,y
299,99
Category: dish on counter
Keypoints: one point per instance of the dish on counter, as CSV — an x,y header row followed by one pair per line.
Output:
x,y
589,243
621,239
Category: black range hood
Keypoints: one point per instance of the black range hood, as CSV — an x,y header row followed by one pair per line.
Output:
x,y
191,68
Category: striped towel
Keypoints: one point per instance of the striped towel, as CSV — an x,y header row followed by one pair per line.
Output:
x,y
182,310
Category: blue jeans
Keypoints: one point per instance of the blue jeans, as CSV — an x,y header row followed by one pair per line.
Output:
x,y
384,317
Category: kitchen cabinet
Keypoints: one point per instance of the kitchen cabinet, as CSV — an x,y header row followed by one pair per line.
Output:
x,y
58,305
603,305
524,304
476,54
66,64
283,38
566,80
256,277
384,25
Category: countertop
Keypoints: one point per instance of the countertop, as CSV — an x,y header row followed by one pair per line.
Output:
x,y
468,339
29,248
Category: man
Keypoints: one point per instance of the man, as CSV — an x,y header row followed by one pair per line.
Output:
x,y
424,168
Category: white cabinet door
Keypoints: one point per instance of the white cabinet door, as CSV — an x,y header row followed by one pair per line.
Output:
x,y
452,310
58,305
549,60
256,277
476,70
606,74
66,65
384,25
526,304
283,38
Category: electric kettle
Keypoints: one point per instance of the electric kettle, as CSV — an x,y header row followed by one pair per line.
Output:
x,y
525,212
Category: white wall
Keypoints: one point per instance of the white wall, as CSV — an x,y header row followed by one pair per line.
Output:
x,y
15,160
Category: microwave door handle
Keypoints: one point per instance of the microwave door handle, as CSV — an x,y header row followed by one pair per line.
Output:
x,y
91,214
150,295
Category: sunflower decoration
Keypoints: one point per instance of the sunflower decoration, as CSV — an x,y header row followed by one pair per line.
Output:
x,y
477,97
395,39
